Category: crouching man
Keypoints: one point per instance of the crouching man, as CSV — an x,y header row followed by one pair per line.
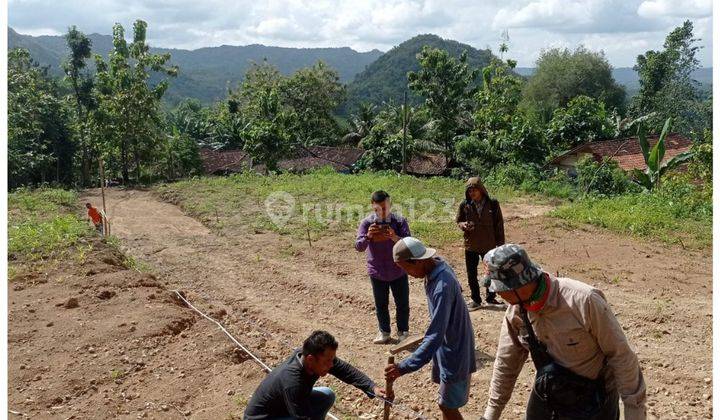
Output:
x,y
449,340
288,391
583,360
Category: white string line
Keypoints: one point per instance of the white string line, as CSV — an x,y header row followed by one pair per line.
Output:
x,y
284,342
266,367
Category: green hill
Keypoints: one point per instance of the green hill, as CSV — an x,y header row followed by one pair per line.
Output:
x,y
206,73
386,78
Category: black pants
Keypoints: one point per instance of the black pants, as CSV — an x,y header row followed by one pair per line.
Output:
x,y
472,259
538,410
401,294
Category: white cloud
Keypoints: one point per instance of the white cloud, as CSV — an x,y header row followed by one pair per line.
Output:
x,y
577,16
675,8
281,28
544,13
37,31
612,25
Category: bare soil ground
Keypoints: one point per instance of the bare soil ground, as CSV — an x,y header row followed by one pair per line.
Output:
x,y
138,353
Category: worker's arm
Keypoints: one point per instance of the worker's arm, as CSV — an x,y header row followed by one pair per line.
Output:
x,y
361,243
620,357
509,361
353,376
435,331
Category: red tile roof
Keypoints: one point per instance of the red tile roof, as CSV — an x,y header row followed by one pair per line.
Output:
x,y
225,161
313,157
626,152
427,164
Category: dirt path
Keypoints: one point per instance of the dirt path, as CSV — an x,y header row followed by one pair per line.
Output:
x,y
275,291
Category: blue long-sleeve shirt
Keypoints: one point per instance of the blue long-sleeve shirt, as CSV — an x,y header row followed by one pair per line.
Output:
x,y
449,340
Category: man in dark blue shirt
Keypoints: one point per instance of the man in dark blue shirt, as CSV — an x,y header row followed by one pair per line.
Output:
x,y
288,393
449,340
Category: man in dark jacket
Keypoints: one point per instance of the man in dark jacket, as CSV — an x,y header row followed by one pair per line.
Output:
x,y
481,220
288,391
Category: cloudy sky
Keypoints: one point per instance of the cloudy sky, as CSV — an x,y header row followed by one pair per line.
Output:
x,y
621,28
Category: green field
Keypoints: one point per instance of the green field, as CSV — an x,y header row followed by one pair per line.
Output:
x,y
325,202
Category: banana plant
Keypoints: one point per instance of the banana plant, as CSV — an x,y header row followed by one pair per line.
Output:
x,y
655,167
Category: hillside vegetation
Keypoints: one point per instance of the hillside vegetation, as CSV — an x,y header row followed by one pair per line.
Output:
x,y
206,73
386,78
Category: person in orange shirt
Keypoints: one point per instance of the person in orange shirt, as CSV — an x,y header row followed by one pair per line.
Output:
x,y
96,217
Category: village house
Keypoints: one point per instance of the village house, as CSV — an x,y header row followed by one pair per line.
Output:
x,y
626,152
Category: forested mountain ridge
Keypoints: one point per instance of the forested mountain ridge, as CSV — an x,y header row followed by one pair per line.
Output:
x,y
206,73
386,78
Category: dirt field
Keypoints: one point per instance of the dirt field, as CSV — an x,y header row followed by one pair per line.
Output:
x,y
271,291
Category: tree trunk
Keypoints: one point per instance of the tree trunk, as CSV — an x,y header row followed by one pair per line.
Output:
x,y
136,156
85,164
124,159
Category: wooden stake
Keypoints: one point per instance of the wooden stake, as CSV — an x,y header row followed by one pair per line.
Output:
x,y
307,229
106,224
388,390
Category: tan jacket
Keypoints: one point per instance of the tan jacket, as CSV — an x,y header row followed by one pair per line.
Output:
x,y
581,333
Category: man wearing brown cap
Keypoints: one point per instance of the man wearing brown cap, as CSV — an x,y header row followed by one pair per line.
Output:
x,y
480,218
583,360
449,340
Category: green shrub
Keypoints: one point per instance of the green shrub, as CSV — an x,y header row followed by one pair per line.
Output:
x,y
41,222
700,166
604,178
677,212
530,179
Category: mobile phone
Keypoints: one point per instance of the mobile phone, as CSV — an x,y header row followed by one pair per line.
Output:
x,y
383,225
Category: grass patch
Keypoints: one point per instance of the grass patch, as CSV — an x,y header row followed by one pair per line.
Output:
x,y
326,203
43,223
673,218
117,374
241,401
323,202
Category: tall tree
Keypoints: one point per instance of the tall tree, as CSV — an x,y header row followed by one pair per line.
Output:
x,y
40,148
313,94
129,107
501,134
267,134
666,84
561,75
584,119
80,50
448,85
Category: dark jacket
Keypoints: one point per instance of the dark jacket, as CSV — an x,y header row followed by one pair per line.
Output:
x,y
489,230
285,392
